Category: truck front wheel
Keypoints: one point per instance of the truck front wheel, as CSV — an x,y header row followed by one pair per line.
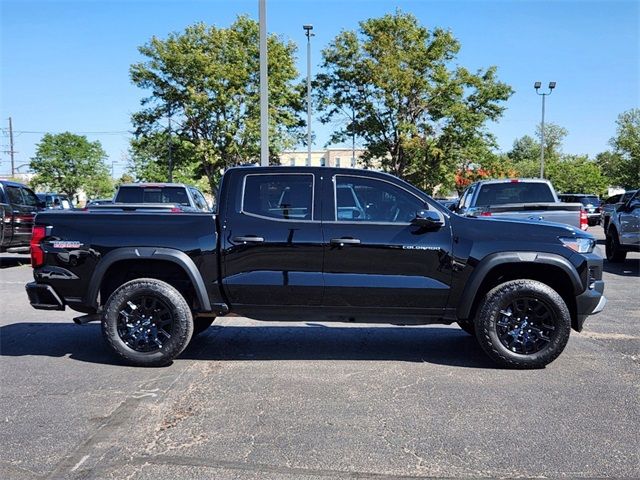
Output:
x,y
147,322
523,324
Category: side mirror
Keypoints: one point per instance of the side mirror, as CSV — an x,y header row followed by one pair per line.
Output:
x,y
427,219
453,207
42,204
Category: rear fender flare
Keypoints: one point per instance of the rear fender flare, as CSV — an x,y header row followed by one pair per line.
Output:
x,y
149,253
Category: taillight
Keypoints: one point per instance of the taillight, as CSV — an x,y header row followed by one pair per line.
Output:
x,y
485,214
176,210
584,222
37,254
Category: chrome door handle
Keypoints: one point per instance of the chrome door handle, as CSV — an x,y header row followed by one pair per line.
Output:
x,y
249,239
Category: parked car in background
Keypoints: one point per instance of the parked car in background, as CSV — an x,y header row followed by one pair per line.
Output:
x,y
448,203
591,204
623,232
185,197
611,204
99,201
523,199
55,201
18,206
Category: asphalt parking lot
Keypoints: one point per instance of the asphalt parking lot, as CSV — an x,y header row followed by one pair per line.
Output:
x,y
251,400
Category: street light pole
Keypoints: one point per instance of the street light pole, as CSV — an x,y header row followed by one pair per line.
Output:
x,y
170,151
307,29
264,86
537,86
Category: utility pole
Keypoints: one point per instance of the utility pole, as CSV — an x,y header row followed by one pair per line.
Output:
x,y
264,87
11,152
307,29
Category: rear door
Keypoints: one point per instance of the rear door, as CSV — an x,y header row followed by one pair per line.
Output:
x,y
271,239
375,258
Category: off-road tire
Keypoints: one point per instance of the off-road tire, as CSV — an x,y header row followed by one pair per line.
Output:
x,y
201,324
615,253
467,326
181,326
505,294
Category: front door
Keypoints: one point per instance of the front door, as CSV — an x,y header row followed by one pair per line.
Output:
x,y
272,241
375,257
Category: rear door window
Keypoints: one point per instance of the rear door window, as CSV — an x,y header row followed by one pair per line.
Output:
x,y
30,198
283,197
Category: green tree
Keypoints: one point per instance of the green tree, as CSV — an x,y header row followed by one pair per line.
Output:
x,y
68,163
525,153
576,174
207,78
622,166
416,112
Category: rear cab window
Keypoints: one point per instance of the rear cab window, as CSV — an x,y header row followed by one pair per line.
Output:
x,y
151,194
278,196
514,192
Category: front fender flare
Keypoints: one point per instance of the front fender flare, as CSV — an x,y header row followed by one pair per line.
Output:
x,y
149,253
488,263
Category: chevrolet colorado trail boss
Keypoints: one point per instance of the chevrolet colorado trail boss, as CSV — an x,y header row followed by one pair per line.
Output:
x,y
322,244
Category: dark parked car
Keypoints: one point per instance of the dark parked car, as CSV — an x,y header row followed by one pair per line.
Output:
x,y
325,244
55,201
18,206
185,197
591,205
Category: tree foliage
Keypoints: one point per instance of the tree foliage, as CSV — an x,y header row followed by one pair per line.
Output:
x,y
416,112
568,173
208,79
622,166
68,163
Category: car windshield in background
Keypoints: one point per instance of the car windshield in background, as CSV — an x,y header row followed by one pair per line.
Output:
x,y
175,195
503,193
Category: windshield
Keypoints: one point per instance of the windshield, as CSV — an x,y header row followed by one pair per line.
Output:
x,y
175,195
503,193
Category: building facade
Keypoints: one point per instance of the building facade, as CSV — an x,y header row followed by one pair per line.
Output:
x,y
331,157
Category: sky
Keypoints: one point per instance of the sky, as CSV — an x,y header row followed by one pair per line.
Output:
x,y
65,64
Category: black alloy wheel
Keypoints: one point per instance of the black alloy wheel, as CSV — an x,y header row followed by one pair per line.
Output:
x,y
523,324
526,325
145,323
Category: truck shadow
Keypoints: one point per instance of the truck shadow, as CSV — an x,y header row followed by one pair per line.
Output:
x,y
629,268
437,345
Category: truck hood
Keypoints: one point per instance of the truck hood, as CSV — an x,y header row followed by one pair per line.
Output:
x,y
511,229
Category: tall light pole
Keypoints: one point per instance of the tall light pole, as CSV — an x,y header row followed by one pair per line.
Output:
x,y
264,87
307,29
537,86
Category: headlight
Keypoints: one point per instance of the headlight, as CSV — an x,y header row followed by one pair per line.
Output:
x,y
579,244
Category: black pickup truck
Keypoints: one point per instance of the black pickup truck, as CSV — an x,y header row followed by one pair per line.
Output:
x,y
322,244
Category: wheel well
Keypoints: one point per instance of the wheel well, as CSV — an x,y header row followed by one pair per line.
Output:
x,y
126,270
550,275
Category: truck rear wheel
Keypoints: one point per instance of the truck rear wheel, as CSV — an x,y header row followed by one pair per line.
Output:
x,y
523,324
147,322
